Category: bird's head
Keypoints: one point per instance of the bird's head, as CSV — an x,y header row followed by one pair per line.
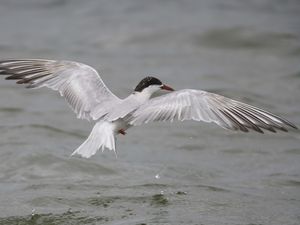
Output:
x,y
151,85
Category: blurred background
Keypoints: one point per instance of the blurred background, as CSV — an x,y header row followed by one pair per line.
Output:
x,y
180,173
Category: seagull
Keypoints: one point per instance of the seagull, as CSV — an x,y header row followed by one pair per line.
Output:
x,y
90,99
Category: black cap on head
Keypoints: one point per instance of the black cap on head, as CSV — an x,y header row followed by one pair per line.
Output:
x,y
146,82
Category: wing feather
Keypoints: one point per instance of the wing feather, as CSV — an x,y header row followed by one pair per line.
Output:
x,y
208,107
80,84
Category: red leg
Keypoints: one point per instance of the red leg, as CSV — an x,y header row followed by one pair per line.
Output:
x,y
122,131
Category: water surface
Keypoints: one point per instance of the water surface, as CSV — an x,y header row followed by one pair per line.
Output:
x,y
181,173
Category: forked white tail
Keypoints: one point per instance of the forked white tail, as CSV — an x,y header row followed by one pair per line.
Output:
x,y
101,137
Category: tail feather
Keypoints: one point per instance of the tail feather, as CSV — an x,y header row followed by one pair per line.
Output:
x,y
101,137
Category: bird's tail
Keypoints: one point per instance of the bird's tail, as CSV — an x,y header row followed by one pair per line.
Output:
x,y
101,137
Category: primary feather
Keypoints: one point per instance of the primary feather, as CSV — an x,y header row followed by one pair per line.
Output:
x,y
80,84
88,96
208,107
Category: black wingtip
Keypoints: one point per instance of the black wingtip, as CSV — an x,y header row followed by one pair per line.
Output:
x,y
244,129
288,123
271,129
259,131
10,78
294,126
5,73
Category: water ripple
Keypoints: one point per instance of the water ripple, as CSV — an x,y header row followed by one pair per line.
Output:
x,y
68,217
43,127
244,38
11,109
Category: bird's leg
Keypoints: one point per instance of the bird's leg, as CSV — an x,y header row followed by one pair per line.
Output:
x,y
122,131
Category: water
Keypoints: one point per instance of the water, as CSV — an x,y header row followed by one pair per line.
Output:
x,y
181,173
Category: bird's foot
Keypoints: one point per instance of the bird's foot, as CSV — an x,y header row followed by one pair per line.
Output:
x,y
122,131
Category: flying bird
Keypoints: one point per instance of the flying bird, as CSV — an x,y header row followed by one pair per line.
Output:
x,y
90,99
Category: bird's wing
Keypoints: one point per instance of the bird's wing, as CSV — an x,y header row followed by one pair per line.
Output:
x,y
80,84
208,107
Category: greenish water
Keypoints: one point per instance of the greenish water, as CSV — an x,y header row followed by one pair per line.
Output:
x,y
181,173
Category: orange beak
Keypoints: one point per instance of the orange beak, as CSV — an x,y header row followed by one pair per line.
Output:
x,y
168,88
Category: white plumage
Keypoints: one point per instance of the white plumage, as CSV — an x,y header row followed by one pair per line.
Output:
x,y
101,137
90,99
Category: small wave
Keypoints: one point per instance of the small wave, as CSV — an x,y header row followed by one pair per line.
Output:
x,y
34,4
11,110
244,38
294,151
213,188
191,147
68,217
57,130
41,126
294,52
294,75
40,166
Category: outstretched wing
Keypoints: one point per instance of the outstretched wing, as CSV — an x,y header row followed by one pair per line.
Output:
x,y
208,107
80,84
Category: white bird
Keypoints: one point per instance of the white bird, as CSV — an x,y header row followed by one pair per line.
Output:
x,y
88,96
